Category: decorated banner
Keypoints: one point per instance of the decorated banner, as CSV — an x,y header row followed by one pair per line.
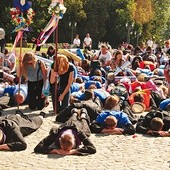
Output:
x,y
56,9
22,15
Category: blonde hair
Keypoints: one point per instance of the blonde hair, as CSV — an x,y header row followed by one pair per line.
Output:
x,y
62,64
29,56
111,102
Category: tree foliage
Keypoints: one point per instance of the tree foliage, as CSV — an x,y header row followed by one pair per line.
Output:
x,y
105,20
144,11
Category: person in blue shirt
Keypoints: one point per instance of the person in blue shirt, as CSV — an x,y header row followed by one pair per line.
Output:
x,y
13,91
112,121
165,105
99,92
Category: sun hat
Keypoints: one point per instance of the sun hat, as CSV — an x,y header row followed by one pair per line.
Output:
x,y
138,107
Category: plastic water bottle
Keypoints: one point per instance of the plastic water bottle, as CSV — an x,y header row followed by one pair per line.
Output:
x,y
46,86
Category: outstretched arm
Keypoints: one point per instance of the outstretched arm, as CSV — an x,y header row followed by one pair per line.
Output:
x,y
44,145
158,133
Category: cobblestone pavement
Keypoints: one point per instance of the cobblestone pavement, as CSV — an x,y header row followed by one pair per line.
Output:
x,y
114,152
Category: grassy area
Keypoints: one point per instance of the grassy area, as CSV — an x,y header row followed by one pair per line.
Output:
x,y
25,49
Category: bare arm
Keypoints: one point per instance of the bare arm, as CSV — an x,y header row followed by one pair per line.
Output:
x,y
44,70
115,131
70,81
63,152
5,147
159,133
11,65
107,63
53,76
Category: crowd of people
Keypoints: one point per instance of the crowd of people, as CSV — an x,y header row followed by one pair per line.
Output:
x,y
103,93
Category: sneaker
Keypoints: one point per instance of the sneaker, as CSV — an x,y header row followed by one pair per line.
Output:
x,y
74,110
19,112
83,110
42,114
84,114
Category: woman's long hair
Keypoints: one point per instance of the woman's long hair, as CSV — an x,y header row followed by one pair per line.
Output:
x,y
62,64
118,52
29,56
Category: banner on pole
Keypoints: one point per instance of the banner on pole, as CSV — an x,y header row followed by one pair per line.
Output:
x,y
56,9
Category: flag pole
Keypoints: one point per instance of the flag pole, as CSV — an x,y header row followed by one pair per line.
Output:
x,y
19,66
56,70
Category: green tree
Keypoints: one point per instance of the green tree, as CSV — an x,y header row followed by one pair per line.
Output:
x,y
96,12
105,20
74,14
120,12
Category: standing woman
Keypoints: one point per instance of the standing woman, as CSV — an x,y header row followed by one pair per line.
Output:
x,y
65,79
35,72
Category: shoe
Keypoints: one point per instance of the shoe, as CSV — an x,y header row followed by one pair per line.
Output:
x,y
74,110
134,121
75,113
42,114
84,114
19,112
83,110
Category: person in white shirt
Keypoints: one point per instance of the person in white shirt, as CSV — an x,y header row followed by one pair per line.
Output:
x,y
76,41
87,42
150,43
104,56
167,47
